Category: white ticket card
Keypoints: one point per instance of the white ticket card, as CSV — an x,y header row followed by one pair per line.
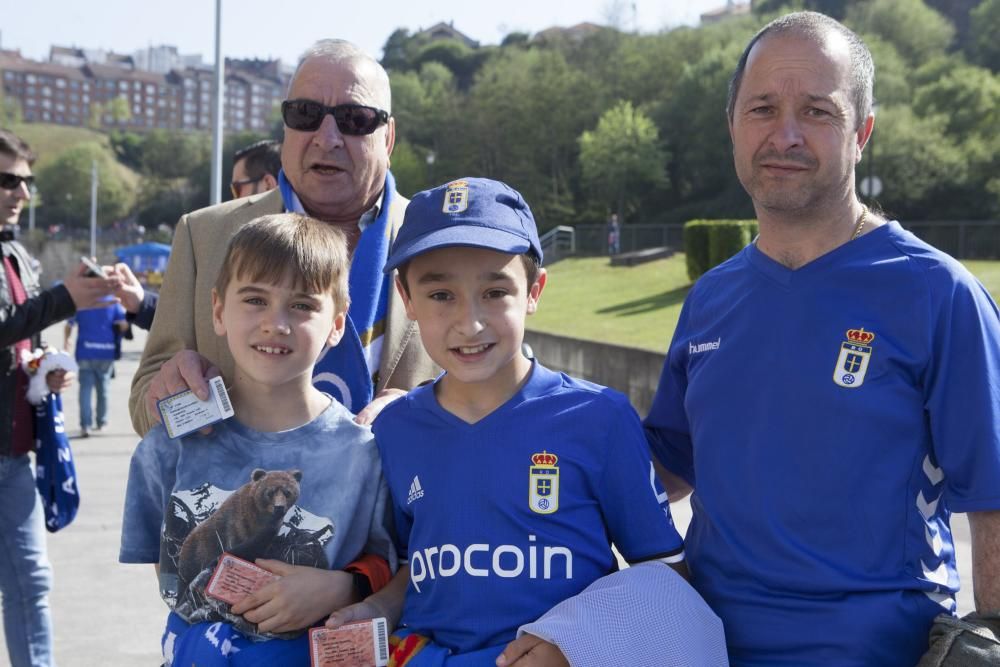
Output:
x,y
184,412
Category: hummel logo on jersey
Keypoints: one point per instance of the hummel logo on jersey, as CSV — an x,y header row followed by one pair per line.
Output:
x,y
416,491
704,347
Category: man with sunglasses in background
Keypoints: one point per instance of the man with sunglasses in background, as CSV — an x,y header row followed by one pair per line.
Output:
x,y
255,168
26,310
335,167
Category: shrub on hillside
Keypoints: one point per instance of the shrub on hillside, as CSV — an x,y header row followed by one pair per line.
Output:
x,y
708,243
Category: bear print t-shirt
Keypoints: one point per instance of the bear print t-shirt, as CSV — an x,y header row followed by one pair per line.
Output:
x,y
312,496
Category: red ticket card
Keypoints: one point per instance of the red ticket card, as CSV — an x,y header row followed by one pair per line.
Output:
x,y
361,644
235,578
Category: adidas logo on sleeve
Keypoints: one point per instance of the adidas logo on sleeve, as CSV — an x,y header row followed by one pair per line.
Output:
x,y
416,491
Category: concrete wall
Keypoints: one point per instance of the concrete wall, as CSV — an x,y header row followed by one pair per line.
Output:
x,y
633,372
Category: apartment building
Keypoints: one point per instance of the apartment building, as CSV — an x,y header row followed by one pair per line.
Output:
x,y
113,91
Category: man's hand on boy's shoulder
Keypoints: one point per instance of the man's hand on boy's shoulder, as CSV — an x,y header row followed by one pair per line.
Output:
x,y
531,651
370,411
185,370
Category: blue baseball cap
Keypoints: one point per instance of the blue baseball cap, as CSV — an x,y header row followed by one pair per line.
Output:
x,y
470,212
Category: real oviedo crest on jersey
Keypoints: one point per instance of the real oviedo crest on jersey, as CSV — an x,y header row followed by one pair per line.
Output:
x,y
855,353
543,483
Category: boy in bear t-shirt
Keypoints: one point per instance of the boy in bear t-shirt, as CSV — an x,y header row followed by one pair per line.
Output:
x,y
290,482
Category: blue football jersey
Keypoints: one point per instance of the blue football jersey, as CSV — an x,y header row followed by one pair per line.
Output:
x,y
504,518
830,419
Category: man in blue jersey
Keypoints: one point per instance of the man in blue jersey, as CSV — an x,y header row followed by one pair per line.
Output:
x,y
97,347
509,481
832,392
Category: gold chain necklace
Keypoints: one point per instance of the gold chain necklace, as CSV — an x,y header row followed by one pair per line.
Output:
x,y
861,222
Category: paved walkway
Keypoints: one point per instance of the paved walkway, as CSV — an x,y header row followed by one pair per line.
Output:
x,y
104,613
111,615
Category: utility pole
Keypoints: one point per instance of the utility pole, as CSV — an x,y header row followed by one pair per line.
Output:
x,y
93,208
31,208
217,121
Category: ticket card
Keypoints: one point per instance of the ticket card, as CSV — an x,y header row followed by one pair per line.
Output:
x,y
235,578
184,412
361,644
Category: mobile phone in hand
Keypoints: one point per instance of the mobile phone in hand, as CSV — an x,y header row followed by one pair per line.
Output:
x,y
94,269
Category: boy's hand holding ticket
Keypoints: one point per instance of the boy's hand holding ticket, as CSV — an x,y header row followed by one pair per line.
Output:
x,y
360,644
235,578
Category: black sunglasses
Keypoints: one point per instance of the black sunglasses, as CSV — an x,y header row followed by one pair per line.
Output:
x,y
353,119
235,186
12,181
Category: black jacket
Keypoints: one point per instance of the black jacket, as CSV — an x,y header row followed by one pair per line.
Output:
x,y
28,320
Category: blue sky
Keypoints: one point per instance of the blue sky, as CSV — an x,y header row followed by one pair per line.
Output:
x,y
257,28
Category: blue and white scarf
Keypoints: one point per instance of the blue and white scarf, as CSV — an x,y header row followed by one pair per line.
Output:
x,y
349,371
55,472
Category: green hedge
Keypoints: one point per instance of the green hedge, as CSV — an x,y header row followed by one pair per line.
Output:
x,y
708,243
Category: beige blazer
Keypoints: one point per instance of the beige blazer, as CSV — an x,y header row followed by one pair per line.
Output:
x,y
184,313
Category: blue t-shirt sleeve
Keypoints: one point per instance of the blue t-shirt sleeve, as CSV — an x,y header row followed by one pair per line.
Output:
x,y
963,397
150,480
634,504
380,533
666,425
402,523
119,313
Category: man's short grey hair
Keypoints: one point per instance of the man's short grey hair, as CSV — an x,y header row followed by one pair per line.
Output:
x,y
815,27
342,51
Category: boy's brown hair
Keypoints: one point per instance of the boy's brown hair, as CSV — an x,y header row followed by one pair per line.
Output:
x,y
271,247
532,267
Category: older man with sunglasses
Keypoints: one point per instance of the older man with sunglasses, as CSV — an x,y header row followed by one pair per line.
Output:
x,y
335,167
25,310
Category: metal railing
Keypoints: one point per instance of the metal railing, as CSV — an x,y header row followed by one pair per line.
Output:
x,y
593,239
962,239
557,243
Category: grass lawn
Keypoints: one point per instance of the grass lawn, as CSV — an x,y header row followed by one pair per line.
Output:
x,y
49,140
637,306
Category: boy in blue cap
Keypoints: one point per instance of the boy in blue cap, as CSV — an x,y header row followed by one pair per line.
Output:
x,y
509,481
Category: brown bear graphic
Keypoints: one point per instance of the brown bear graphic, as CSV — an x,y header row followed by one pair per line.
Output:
x,y
244,525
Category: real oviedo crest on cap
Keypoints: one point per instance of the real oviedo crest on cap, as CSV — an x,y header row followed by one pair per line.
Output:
x,y
456,197
468,212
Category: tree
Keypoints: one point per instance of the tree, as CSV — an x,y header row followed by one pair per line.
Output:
x,y
917,31
410,169
983,47
127,147
114,111
10,110
920,166
400,51
969,97
521,123
65,186
172,153
462,60
622,157
695,128
835,8
891,73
